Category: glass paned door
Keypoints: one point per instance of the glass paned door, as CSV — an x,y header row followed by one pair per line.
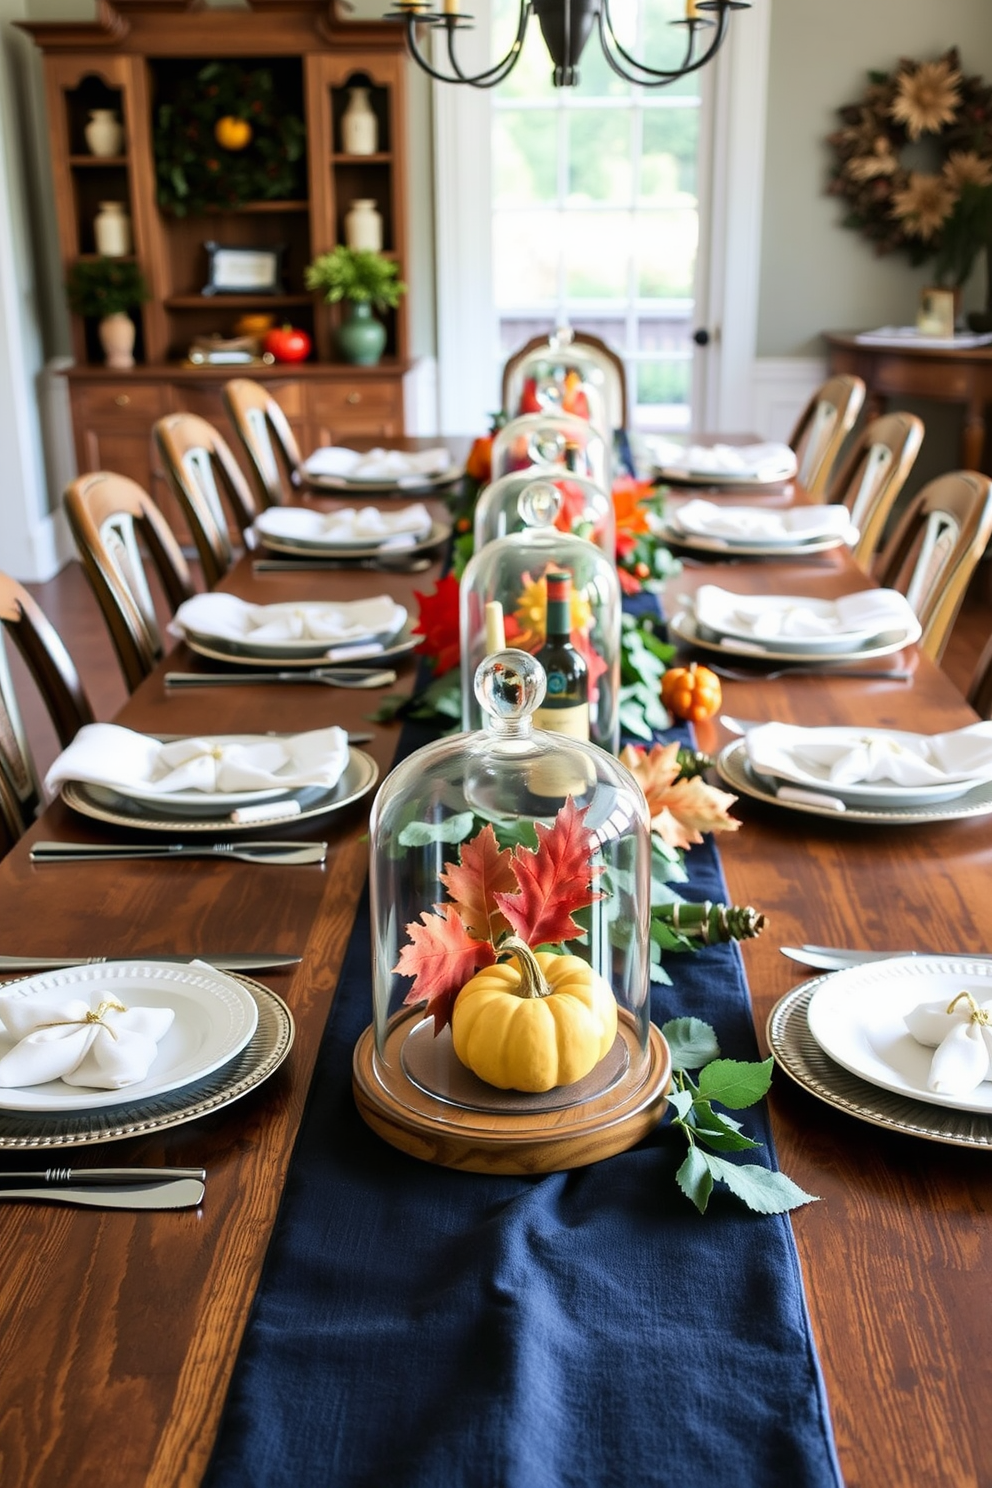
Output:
x,y
595,205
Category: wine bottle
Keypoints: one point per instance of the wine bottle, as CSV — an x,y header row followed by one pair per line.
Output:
x,y
565,709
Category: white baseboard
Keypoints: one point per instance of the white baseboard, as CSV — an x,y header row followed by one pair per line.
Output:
x,y
780,389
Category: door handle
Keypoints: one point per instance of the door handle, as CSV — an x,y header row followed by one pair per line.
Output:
x,y
701,336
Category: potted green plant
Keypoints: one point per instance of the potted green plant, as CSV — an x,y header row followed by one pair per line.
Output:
x,y
105,289
362,281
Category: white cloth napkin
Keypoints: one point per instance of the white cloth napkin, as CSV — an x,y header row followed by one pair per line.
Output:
x,y
107,1054
106,754
359,525
765,618
757,462
757,524
227,618
962,1040
406,467
851,756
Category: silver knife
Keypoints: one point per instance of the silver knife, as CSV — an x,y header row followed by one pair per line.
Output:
x,y
177,1193
353,677
101,1176
836,958
260,961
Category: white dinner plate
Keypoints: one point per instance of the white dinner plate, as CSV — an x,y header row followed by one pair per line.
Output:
x,y
299,547
214,1018
290,648
679,476
789,548
683,626
243,653
815,777
408,486
819,645
857,1017
799,1056
104,805
735,771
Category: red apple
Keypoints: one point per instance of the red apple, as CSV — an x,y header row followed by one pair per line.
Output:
x,y
288,344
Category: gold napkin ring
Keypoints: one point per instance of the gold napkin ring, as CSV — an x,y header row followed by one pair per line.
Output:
x,y
978,1014
108,1005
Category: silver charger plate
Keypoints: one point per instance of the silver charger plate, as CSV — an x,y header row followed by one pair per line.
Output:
x,y
683,627
726,547
240,653
261,1057
422,486
734,770
797,1053
105,805
679,476
439,533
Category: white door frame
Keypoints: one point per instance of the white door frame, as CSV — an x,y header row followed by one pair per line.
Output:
x,y
730,253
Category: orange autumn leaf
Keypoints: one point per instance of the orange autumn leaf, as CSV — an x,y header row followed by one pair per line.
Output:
x,y
485,870
628,494
441,957
680,810
555,879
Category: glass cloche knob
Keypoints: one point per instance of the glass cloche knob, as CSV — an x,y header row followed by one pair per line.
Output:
x,y
510,686
539,504
547,447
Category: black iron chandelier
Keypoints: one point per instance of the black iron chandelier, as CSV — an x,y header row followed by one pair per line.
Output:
x,y
566,26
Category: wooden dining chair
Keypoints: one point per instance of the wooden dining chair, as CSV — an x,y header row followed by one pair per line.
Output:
x,y
872,476
556,345
12,825
935,550
111,517
269,443
980,686
58,684
821,429
205,478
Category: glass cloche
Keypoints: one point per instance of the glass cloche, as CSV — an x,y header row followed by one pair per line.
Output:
x,y
510,892
586,511
558,597
556,439
574,375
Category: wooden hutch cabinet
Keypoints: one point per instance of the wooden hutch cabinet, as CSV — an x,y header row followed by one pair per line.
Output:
x,y
136,59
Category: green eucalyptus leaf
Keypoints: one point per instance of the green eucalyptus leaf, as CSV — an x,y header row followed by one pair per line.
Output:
x,y
735,1083
681,1101
721,1133
453,829
695,1179
761,1189
692,1042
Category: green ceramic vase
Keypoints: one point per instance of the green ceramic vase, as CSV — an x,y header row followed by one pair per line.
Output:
x,y
361,339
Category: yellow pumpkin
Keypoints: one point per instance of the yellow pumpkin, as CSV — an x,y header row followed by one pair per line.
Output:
x,y
535,1021
232,133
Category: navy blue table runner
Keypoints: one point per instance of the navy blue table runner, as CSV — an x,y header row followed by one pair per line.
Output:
x,y
417,1327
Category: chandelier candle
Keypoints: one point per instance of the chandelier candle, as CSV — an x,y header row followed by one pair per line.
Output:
x,y
565,709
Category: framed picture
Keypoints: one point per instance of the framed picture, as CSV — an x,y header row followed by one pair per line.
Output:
x,y
936,315
254,271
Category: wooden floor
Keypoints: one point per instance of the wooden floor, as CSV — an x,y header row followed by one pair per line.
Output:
x,y
70,605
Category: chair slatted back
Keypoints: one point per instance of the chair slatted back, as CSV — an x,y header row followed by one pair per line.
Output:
x,y
872,476
936,548
821,429
110,517
266,438
204,477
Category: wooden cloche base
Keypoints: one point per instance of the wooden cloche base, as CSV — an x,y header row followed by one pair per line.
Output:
x,y
521,1141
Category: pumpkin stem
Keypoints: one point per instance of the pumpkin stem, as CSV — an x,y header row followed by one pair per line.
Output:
x,y
532,979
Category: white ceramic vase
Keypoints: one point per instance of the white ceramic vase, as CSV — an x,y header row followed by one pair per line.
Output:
x,y
117,333
112,230
104,132
363,226
359,125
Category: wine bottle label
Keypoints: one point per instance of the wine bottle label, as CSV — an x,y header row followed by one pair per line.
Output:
x,y
572,720
555,776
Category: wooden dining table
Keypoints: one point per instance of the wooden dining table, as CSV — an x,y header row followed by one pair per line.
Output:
x,y
119,1331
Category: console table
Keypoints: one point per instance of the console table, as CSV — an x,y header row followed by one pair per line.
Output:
x,y
943,374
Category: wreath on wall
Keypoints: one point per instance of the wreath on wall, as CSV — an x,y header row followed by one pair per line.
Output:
x,y
914,155
223,141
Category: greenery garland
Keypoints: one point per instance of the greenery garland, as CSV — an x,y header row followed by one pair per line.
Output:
x,y
941,120
195,172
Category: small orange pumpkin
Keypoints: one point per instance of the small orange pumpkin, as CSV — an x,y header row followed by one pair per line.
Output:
x,y
692,692
232,133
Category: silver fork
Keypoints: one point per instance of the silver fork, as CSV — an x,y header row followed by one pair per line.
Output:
x,y
356,677
246,852
877,674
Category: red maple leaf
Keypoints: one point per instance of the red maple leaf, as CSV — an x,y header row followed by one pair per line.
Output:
x,y
438,623
485,870
554,880
441,957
